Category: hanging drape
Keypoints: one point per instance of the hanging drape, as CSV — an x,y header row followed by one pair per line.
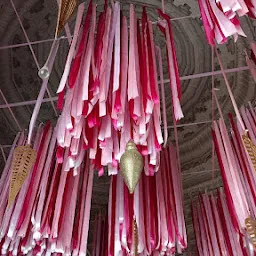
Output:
x,y
214,230
221,18
157,207
111,85
237,165
52,210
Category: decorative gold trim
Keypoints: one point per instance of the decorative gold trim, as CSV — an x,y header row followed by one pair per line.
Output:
x,y
251,149
66,10
23,159
250,224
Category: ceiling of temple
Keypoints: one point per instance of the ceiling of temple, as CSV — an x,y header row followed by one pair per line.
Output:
x,y
19,82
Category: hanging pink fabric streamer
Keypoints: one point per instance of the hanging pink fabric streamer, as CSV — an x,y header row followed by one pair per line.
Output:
x,y
34,183
223,238
86,217
42,219
72,48
251,5
148,205
231,173
178,197
235,161
220,19
160,66
6,215
238,173
113,93
108,95
21,196
165,26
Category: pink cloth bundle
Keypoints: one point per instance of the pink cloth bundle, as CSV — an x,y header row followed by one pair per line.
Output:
x,y
52,211
213,227
235,156
231,174
111,83
239,176
236,166
220,19
157,208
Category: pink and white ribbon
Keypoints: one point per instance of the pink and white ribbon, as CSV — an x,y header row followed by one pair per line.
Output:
x,y
43,218
113,93
157,207
216,234
220,20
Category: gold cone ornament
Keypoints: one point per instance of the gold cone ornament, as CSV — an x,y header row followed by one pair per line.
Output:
x,y
66,10
23,159
131,165
251,149
250,224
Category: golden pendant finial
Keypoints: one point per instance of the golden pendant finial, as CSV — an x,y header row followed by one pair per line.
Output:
x,y
250,224
131,165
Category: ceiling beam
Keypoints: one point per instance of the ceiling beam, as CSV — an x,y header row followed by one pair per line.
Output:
x,y
189,77
205,74
26,103
32,43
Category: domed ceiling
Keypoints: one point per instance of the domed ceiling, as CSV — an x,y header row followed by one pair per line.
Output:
x,y
19,82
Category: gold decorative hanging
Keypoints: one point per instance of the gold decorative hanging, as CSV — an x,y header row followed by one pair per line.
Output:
x,y
131,165
66,10
251,149
135,237
23,159
250,224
